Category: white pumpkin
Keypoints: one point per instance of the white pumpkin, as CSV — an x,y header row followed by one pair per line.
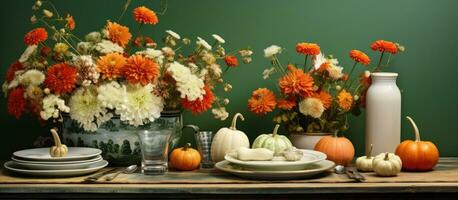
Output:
x,y
59,150
228,139
387,164
364,163
276,143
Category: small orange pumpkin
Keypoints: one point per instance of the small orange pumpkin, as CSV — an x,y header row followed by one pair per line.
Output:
x,y
338,149
417,155
185,158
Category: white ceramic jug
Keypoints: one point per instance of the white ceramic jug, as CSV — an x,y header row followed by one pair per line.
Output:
x,y
383,113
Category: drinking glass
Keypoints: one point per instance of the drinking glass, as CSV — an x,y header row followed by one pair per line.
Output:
x,y
154,145
204,142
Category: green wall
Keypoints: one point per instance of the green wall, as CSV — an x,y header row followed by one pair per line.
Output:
x,y
427,69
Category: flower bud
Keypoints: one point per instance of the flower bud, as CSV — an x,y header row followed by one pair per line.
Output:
x,y
47,13
338,87
33,19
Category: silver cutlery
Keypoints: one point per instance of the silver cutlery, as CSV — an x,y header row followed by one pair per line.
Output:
x,y
96,177
127,170
351,172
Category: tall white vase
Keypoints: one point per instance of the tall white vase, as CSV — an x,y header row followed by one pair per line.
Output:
x,y
383,113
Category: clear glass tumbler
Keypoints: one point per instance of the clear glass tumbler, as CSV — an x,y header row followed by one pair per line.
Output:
x,y
204,143
155,147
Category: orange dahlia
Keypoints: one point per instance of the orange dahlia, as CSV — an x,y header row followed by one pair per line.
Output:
x,y
324,97
139,69
345,100
200,105
231,61
11,72
308,48
16,102
382,46
70,22
287,104
118,34
262,101
61,78
110,65
296,82
35,36
144,15
359,56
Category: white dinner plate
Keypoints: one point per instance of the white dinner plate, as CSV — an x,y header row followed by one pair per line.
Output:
x,y
42,154
279,163
57,162
10,165
55,166
307,172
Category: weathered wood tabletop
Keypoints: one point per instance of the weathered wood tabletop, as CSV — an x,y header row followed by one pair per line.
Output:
x,y
210,183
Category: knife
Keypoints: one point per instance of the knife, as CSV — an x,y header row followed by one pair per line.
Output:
x,y
355,174
95,177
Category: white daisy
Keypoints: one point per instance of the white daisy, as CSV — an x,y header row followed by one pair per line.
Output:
x,y
202,43
52,106
141,105
32,77
271,51
218,38
86,109
173,34
27,53
318,60
311,106
106,46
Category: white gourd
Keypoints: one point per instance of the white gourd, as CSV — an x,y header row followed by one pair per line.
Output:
x,y
59,150
293,154
275,142
228,139
364,163
387,164
259,154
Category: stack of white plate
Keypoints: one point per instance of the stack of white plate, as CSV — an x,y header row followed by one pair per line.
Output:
x,y
311,164
38,162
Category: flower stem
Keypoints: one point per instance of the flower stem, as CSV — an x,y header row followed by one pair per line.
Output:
x,y
377,69
349,75
305,62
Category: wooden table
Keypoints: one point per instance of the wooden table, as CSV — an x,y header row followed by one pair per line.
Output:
x,y
442,183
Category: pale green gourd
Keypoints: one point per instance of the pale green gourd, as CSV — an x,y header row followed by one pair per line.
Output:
x,y
276,143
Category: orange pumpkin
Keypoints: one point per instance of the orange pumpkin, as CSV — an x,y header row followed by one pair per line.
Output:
x,y
185,158
338,149
417,155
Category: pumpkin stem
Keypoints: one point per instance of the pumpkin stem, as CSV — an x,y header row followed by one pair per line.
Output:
x,y
386,156
193,127
234,121
415,128
369,154
336,134
186,146
274,133
56,137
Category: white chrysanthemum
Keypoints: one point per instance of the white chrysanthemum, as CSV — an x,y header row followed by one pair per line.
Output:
x,y
141,105
218,38
245,52
202,43
153,54
194,68
111,95
86,109
188,84
335,72
27,53
93,37
271,51
311,106
220,113
106,46
173,34
32,77
318,60
215,69
52,106
84,47
267,72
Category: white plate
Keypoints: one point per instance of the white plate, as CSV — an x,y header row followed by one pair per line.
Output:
x,y
42,154
10,165
54,166
57,162
279,163
307,172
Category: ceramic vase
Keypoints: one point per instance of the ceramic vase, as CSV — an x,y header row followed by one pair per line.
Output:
x,y
383,113
306,140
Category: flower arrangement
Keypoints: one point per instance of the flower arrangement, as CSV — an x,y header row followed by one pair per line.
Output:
x,y
317,97
114,72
